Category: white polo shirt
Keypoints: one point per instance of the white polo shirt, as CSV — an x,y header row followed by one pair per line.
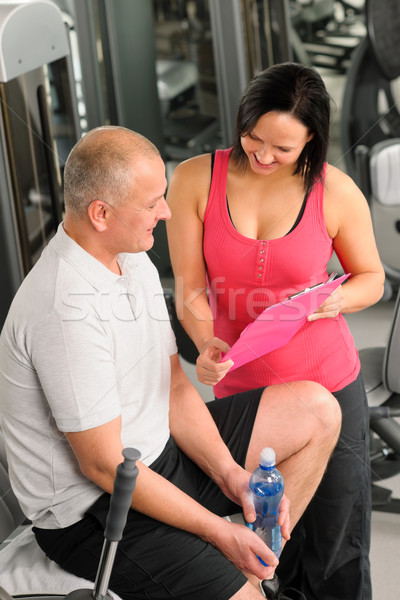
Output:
x,y
80,347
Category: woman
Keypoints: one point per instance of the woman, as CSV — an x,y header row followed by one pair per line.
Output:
x,y
253,224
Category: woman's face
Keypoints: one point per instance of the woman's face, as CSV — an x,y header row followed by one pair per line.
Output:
x,y
276,141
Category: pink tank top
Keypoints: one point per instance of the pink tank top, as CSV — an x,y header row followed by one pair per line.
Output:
x,y
244,276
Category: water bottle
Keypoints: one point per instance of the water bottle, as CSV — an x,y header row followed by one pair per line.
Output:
x,y
266,484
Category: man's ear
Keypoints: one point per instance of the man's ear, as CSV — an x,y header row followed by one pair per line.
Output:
x,y
99,215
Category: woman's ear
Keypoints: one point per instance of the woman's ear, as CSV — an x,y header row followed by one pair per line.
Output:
x,y
99,213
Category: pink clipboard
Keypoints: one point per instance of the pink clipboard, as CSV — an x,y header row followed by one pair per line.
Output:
x,y
277,324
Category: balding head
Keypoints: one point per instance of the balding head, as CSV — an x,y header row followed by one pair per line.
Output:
x,y
101,166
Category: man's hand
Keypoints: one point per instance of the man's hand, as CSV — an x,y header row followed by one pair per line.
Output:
x,y
284,517
208,366
237,489
242,547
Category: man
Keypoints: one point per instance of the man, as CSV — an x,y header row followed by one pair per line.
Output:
x,y
89,366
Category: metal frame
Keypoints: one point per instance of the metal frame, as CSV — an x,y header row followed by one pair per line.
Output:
x,y
230,60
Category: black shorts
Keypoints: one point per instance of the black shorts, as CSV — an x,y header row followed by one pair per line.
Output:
x,y
155,560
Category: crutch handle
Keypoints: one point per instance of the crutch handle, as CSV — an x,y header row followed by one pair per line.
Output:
x,y
121,498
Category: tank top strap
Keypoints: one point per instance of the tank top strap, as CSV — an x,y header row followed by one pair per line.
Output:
x,y
316,201
218,179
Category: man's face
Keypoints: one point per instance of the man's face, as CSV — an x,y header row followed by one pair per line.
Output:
x,y
134,222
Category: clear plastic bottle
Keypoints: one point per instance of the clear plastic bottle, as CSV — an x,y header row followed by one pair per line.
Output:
x,y
266,484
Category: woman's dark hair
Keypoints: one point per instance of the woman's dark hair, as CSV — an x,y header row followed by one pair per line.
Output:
x,y
295,89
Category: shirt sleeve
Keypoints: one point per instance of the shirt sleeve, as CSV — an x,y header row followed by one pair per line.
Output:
x,y
75,367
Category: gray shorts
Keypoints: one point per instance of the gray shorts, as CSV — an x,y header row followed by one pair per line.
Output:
x,y
155,560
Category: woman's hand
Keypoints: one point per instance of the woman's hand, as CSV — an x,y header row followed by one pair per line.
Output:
x,y
331,307
209,369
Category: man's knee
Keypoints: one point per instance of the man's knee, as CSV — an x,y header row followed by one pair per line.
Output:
x,y
325,407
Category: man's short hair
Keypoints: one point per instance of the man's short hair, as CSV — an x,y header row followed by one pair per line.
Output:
x,y
101,167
